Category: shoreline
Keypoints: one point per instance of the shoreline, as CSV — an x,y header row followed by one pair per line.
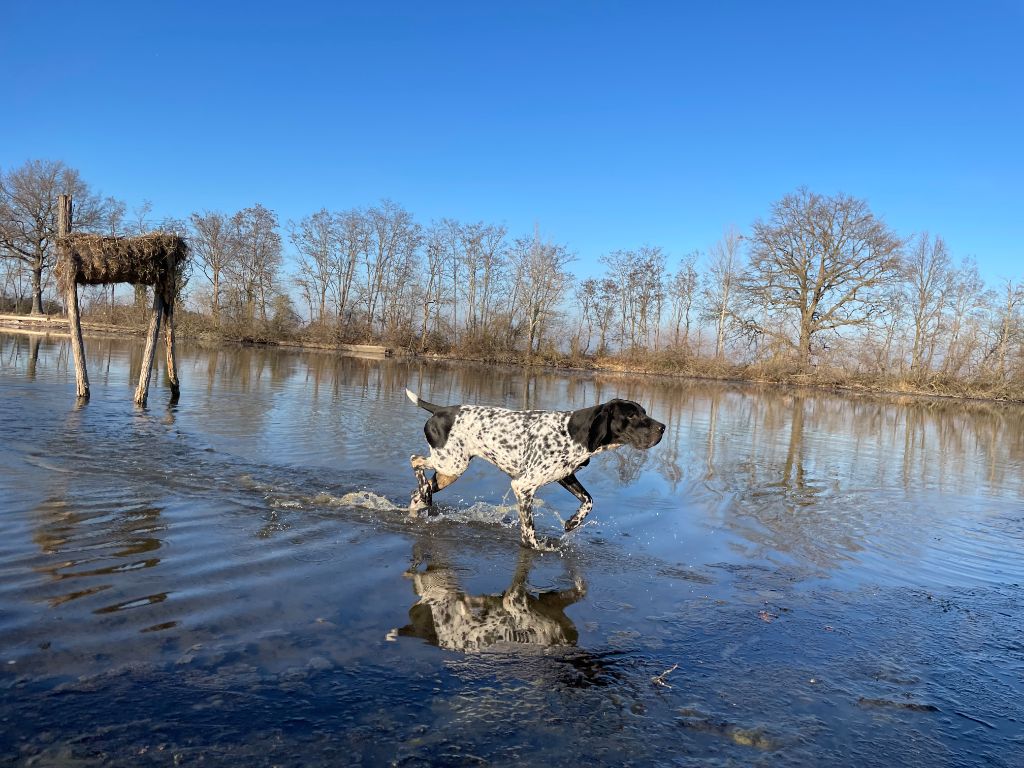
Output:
x,y
830,379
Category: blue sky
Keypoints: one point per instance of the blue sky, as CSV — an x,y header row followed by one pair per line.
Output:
x,y
607,125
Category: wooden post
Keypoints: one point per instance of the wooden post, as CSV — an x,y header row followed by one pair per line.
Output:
x,y
172,368
142,391
74,316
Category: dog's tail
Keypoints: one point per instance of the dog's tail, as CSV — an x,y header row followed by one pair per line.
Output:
x,y
422,403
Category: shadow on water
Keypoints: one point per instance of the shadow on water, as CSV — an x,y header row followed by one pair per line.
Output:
x,y
789,578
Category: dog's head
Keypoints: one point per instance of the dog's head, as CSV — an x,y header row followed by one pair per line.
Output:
x,y
617,422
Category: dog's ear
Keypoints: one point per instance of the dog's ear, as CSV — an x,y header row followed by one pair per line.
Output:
x,y
590,426
439,425
599,432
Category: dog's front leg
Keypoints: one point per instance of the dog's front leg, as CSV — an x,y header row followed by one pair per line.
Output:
x,y
423,496
575,487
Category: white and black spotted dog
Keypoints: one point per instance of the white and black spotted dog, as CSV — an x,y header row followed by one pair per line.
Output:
x,y
533,447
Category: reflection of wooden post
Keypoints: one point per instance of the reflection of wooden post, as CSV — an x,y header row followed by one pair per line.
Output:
x,y
74,316
142,391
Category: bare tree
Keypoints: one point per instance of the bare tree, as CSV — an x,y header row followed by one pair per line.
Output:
x,y
608,290
682,291
619,266
115,213
927,272
586,306
640,274
719,286
215,245
353,235
968,304
259,259
446,239
892,323
492,263
480,250
437,290
540,279
1008,325
817,265
316,239
648,282
28,215
391,244
140,225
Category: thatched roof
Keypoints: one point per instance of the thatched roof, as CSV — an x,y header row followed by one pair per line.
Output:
x,y
157,258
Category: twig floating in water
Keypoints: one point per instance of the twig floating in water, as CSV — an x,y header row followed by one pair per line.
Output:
x,y
660,679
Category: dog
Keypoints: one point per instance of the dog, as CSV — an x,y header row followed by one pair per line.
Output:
x,y
534,448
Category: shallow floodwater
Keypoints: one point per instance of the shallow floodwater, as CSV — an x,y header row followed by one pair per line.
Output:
x,y
789,578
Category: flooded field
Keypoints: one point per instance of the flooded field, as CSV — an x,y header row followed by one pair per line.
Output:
x,y
788,578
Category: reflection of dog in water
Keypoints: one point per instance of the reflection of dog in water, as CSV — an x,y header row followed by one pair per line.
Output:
x,y
446,616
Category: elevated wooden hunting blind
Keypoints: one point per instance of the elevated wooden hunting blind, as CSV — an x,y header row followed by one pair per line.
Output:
x,y
157,259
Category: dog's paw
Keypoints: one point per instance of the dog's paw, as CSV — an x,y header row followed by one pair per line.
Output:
x,y
417,504
541,544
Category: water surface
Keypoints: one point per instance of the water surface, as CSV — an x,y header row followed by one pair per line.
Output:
x,y
788,578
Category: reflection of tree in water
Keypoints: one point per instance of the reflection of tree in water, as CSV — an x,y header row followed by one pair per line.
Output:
x,y
18,346
794,476
805,472
629,463
448,617
33,357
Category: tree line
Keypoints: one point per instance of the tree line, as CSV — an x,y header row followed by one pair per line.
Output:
x,y
820,281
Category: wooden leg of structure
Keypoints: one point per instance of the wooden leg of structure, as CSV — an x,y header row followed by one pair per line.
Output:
x,y
172,367
77,345
142,391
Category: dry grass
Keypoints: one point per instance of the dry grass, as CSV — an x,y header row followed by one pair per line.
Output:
x,y
157,259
